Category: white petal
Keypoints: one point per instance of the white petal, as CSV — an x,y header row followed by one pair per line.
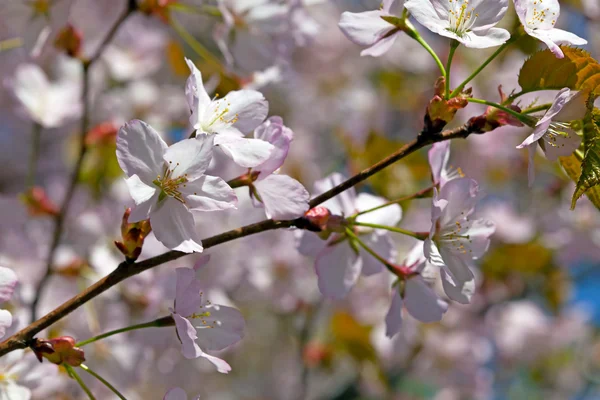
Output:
x,y
283,197
197,97
393,318
426,14
544,37
381,47
462,195
456,266
187,335
8,281
489,13
421,302
187,292
173,225
309,243
140,150
365,28
389,216
13,391
416,258
248,107
30,87
280,136
175,394
479,232
564,37
227,327
190,157
140,192
492,38
338,267
221,365
5,321
343,203
461,293
209,193
537,134
383,245
560,146
247,153
142,211
439,155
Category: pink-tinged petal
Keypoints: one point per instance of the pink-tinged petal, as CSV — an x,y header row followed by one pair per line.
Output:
x,y
428,14
202,261
393,318
489,13
197,97
575,107
343,203
338,268
560,146
560,102
365,28
5,321
462,292
247,153
248,108
491,38
140,192
190,157
544,37
389,216
187,336
8,282
479,232
381,47
143,210
560,36
173,225
383,245
456,266
416,258
309,243
209,193
421,302
280,136
283,197
175,394
227,327
432,253
140,150
538,133
439,156
462,195
187,292
221,364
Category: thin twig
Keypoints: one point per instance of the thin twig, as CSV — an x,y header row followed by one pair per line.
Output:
x,y
59,219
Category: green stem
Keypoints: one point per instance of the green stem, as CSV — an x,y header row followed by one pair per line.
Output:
x,y
523,118
453,46
212,11
74,375
367,248
416,235
11,43
412,32
480,68
104,381
419,195
532,110
195,45
165,321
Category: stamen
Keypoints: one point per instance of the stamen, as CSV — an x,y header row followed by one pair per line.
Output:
x,y
460,18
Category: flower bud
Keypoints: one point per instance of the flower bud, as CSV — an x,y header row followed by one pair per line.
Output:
x,y
37,202
69,40
60,350
133,236
158,8
317,218
104,133
441,111
494,118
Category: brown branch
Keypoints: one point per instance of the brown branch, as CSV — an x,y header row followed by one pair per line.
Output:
x,y
59,219
125,270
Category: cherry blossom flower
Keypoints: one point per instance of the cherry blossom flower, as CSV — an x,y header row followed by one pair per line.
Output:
x,y
177,394
338,261
439,156
370,29
469,22
201,324
413,292
167,183
48,104
538,19
8,281
236,114
455,240
282,196
554,132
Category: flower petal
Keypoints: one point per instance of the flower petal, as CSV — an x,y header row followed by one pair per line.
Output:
x,y
187,335
381,47
140,150
209,193
280,136
491,38
428,14
560,146
489,13
247,153
421,302
249,108
439,155
283,197
365,28
190,157
197,97
383,245
175,394
309,243
343,203
8,282
393,318
338,267
462,292
140,192
227,327
173,225
5,321
187,292
389,216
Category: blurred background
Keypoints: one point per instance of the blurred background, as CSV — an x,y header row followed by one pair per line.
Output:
x,y
531,331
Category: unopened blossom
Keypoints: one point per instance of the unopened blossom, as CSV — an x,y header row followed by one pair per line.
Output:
x,y
177,394
539,17
282,197
471,22
371,29
414,294
202,325
50,104
8,281
230,118
167,183
439,157
455,239
338,260
554,131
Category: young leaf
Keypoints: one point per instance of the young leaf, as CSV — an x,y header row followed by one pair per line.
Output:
x,y
590,166
578,70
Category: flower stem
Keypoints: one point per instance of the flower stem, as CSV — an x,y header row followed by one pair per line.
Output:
x,y
532,110
369,250
453,46
412,32
104,381
34,155
523,118
480,68
196,45
75,376
165,321
416,235
419,195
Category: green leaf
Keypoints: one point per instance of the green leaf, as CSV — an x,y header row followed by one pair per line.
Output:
x,y
572,166
590,166
578,70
